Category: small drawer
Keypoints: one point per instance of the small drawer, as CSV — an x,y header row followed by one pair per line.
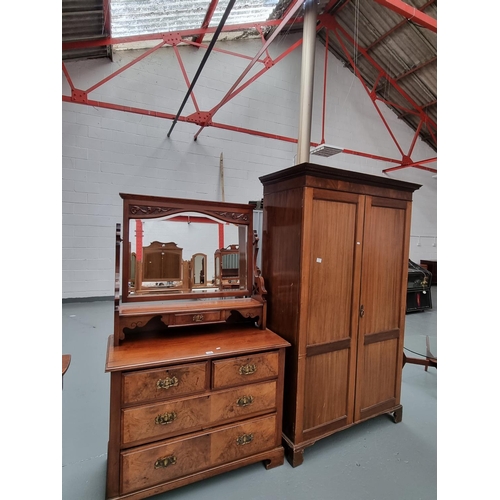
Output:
x,y
148,466
164,420
245,369
195,318
243,401
164,383
242,440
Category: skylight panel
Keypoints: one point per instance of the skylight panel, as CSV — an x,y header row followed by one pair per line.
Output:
x,y
142,17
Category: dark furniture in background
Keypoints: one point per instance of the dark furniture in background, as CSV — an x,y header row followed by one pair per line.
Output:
x,y
418,295
431,265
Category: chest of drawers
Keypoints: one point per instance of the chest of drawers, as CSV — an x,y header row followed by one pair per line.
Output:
x,y
198,402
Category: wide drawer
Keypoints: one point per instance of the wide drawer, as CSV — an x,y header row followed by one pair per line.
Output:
x,y
164,383
159,421
173,418
148,466
244,369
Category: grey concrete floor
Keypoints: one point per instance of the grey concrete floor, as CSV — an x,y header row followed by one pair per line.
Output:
x,y
375,460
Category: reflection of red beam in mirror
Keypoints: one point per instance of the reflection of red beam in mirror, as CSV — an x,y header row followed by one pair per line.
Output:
x,y
190,218
138,240
221,236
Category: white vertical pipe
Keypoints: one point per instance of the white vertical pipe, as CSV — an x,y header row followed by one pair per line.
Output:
x,y
307,81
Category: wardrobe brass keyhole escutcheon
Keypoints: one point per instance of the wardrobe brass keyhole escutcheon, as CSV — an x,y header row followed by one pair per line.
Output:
x,y
245,439
245,401
165,461
167,383
362,310
166,418
247,369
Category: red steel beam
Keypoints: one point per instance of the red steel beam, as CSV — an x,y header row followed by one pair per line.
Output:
x,y
416,164
371,95
163,36
186,78
284,20
395,28
411,13
174,38
208,17
332,24
416,68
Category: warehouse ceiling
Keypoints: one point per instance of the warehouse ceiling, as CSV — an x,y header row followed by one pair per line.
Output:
x,y
391,45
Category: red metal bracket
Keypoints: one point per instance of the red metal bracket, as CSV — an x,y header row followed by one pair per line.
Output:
x,y
172,38
201,118
78,95
268,62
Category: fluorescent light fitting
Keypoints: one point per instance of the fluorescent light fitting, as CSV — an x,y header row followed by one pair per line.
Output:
x,y
326,150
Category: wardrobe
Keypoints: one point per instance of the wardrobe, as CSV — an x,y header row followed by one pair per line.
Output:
x,y
335,249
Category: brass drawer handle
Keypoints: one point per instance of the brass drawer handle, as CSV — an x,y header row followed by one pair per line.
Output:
x,y
198,318
167,383
247,369
165,461
245,439
244,401
166,418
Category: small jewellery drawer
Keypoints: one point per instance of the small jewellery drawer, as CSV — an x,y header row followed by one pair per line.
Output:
x,y
164,383
158,421
242,401
148,466
244,369
194,318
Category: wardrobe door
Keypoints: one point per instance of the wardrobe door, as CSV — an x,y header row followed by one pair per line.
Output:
x,y
384,275
334,222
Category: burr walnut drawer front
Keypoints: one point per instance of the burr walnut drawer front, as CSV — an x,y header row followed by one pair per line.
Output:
x,y
148,466
193,318
164,383
244,369
173,418
159,421
243,401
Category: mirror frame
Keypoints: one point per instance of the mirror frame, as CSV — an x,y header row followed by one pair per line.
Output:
x,y
155,207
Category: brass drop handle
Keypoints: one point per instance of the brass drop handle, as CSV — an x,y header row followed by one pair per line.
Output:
x,y
167,383
197,318
165,461
166,418
244,401
245,439
247,369
362,310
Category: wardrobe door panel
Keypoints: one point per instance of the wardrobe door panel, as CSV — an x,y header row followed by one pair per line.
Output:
x,y
326,391
381,323
379,368
331,266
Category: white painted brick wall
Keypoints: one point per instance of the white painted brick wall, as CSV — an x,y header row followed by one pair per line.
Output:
x,y
105,152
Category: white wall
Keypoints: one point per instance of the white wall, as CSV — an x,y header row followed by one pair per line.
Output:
x,y
105,152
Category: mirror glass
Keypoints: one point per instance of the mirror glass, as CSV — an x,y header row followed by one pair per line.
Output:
x,y
186,253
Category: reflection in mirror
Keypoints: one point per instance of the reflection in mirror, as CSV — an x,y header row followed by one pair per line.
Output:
x,y
198,266
228,259
177,255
